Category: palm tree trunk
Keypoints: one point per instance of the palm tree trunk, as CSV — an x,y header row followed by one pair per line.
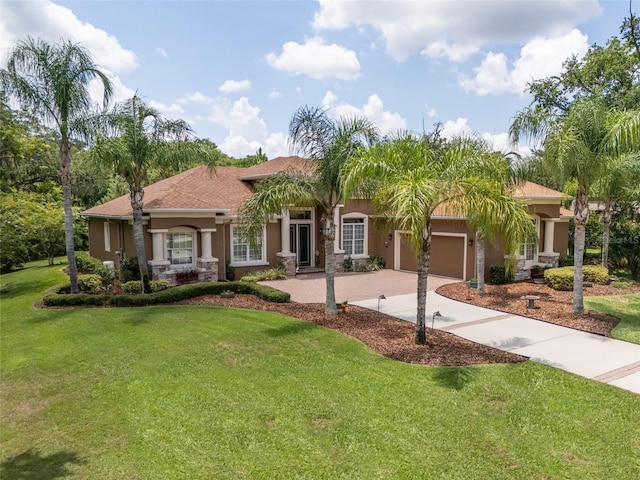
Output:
x,y
67,201
137,204
480,262
329,234
606,223
581,215
423,270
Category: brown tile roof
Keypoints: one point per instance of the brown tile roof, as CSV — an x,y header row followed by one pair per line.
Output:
x,y
227,189
195,189
533,190
278,164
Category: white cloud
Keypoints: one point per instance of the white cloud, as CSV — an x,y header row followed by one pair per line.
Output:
x,y
431,112
386,121
52,22
455,53
274,94
247,131
120,91
162,51
458,128
171,111
317,60
540,58
451,28
196,97
233,86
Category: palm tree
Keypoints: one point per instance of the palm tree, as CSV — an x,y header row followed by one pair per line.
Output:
x,y
139,139
619,183
578,147
413,175
52,81
329,144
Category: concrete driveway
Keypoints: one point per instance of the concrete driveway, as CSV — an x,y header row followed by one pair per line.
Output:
x,y
598,358
352,287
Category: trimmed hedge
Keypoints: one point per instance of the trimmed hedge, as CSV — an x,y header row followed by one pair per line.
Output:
x,y
59,296
562,278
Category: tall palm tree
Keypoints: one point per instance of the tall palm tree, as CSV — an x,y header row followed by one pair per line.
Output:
x,y
135,139
329,144
577,146
52,81
620,182
411,178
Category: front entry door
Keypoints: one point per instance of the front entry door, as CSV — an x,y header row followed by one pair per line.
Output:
x,y
300,235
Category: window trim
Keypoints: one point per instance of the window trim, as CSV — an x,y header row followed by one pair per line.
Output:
x,y
107,236
365,222
243,263
536,245
194,248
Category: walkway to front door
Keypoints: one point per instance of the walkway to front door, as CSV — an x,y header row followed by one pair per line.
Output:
x,y
311,288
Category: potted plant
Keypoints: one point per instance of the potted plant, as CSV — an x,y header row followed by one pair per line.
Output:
x,y
537,274
230,271
473,283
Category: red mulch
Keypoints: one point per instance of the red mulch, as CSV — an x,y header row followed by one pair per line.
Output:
x,y
553,306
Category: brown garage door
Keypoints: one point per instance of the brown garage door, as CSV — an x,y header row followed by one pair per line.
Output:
x,y
447,256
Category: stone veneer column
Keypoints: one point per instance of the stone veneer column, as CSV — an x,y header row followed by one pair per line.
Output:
x,y
287,258
206,263
159,265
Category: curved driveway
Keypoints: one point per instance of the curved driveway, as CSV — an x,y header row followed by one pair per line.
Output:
x,y
591,356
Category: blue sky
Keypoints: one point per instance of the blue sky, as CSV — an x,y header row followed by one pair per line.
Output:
x,y
237,70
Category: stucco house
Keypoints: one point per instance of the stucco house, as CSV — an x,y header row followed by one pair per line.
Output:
x,y
191,223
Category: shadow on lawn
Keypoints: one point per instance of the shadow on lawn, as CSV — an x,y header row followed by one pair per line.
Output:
x,y
31,465
455,378
291,329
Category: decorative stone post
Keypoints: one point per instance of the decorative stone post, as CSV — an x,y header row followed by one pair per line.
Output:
x,y
548,256
206,263
159,265
285,255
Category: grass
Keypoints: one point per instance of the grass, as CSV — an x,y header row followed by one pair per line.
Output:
x,y
178,392
626,308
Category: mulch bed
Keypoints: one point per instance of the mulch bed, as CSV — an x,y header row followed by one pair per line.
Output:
x,y
553,306
394,338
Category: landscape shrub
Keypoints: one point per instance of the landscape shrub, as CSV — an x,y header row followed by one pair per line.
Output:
x,y
373,264
129,269
498,275
595,274
59,296
158,285
87,264
560,278
565,262
133,286
621,285
90,283
275,273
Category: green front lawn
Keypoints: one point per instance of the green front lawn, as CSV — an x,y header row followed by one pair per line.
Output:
x,y
626,308
179,392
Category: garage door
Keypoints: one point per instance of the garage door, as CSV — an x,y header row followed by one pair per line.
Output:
x,y
447,256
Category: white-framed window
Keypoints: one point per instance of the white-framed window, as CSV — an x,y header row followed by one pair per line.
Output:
x,y
244,252
354,234
107,237
181,249
529,250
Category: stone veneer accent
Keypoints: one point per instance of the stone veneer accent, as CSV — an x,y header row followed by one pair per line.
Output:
x,y
289,262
